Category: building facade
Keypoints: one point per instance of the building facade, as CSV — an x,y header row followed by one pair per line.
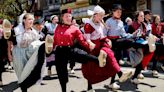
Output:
x,y
130,6
80,7
47,8
157,7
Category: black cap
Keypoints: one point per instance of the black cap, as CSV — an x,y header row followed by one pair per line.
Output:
x,y
39,21
147,12
68,10
116,7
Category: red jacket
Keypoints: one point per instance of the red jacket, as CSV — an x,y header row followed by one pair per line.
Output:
x,y
158,30
135,26
66,35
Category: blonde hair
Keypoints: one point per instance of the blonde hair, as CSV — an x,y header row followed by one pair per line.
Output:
x,y
127,19
27,15
154,17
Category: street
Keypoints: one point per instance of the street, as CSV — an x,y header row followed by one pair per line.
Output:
x,y
33,31
78,84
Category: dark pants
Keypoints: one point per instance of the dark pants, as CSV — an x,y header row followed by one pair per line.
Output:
x,y
158,55
154,66
137,71
24,89
120,45
1,68
0,76
72,64
113,77
65,54
3,55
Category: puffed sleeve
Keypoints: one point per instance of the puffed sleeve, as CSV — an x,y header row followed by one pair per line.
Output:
x,y
88,29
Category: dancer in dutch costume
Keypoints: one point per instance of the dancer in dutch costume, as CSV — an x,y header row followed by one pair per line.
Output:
x,y
96,35
158,30
5,33
28,53
49,30
148,49
64,37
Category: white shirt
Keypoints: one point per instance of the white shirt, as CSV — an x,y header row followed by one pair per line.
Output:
x,y
25,38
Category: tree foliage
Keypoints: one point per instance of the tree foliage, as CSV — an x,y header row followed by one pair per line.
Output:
x,y
13,8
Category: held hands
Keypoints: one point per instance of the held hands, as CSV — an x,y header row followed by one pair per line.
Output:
x,y
91,45
137,33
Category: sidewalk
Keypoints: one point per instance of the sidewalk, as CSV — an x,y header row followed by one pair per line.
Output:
x,y
78,84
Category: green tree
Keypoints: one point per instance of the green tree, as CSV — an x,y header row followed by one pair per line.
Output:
x,y
13,8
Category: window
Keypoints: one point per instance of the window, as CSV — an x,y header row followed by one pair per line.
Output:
x,y
50,1
67,1
57,1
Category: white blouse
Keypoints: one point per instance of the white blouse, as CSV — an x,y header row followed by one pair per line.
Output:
x,y
24,38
